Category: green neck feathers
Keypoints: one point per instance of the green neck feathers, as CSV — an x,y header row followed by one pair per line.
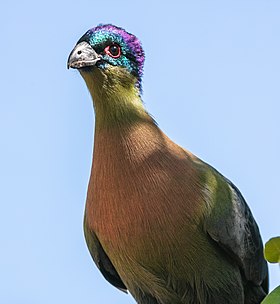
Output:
x,y
116,98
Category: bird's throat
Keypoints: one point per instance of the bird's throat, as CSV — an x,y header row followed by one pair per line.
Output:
x,y
116,98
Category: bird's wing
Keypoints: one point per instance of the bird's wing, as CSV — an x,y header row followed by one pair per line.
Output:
x,y
231,224
102,261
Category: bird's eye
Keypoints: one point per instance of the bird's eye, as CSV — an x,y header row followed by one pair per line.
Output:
x,y
113,50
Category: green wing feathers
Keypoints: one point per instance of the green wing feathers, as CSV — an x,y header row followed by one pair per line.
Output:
x,y
101,259
231,225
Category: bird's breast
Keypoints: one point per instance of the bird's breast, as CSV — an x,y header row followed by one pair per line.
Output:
x,y
142,192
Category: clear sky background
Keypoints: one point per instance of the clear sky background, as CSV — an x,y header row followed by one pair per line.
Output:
x,y
211,80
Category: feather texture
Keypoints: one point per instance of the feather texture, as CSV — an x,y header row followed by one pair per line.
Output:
x,y
159,222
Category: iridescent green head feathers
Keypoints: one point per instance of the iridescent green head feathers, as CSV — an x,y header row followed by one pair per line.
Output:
x,y
111,47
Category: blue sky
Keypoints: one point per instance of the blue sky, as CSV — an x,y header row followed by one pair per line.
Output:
x,y
211,81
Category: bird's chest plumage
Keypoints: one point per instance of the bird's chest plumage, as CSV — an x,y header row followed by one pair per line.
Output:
x,y
141,201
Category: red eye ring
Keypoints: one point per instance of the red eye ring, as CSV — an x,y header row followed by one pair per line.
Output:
x,y
113,50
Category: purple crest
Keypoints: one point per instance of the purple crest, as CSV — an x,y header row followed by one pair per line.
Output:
x,y
127,40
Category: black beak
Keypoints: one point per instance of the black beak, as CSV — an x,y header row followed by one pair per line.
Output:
x,y
83,55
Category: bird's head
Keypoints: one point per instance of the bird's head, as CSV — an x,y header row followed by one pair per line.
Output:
x,y
109,59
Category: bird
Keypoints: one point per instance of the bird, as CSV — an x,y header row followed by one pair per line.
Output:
x,y
159,223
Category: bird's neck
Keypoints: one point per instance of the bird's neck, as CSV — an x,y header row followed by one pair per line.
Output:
x,y
123,128
116,99
119,110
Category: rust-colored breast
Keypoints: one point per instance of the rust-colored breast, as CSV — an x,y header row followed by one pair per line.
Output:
x,y
141,188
